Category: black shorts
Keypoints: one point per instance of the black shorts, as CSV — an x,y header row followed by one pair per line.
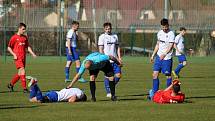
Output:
x,y
107,69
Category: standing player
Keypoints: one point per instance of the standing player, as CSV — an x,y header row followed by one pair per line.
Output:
x,y
179,47
163,59
17,47
71,51
109,45
65,95
95,62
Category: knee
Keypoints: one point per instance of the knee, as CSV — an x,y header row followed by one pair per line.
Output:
x,y
92,78
118,75
155,75
184,63
111,78
22,71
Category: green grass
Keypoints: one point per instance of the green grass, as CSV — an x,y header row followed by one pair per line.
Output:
x,y
197,83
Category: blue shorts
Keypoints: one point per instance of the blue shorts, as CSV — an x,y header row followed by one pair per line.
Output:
x,y
52,96
74,56
164,66
116,68
181,58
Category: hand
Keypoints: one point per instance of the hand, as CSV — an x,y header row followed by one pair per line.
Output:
x,y
181,52
120,62
70,53
15,57
34,56
176,81
162,56
152,59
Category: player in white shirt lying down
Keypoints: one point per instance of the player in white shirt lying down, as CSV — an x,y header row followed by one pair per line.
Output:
x,y
64,95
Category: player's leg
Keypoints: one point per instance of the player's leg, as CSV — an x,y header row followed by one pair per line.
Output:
x,y
35,94
68,65
155,75
167,69
93,75
23,79
117,76
76,58
67,70
182,63
108,71
16,77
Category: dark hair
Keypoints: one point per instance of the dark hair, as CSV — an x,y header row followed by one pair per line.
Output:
x,y
183,28
107,24
164,22
22,25
75,23
176,88
83,98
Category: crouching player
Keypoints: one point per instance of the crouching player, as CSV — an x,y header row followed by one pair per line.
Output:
x,y
171,94
96,62
65,95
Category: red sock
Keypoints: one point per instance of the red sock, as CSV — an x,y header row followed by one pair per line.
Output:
x,y
14,79
23,81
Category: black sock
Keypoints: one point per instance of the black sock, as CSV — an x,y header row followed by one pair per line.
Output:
x,y
112,87
93,88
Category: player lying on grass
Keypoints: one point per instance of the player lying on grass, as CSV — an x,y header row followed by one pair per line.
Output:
x,y
171,94
65,95
96,62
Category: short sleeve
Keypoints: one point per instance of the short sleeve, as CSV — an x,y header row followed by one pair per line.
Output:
x,y
177,39
12,42
101,41
69,34
172,37
117,41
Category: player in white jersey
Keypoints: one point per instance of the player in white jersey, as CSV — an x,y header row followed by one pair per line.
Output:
x,y
163,59
109,45
71,50
64,95
179,47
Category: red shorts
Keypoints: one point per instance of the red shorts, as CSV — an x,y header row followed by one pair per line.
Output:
x,y
20,63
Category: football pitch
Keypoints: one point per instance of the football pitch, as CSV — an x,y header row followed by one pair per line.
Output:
x,y
198,84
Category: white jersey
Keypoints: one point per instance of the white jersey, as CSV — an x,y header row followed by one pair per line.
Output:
x,y
165,39
179,41
73,38
110,43
65,94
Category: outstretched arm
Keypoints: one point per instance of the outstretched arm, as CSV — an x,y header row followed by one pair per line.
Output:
x,y
75,79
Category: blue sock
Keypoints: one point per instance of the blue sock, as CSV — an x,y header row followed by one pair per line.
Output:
x,y
67,72
77,69
116,79
155,85
35,91
178,69
168,82
106,84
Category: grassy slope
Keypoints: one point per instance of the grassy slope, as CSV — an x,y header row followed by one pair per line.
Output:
x,y
197,79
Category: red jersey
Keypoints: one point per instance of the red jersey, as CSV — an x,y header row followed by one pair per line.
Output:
x,y
19,43
165,97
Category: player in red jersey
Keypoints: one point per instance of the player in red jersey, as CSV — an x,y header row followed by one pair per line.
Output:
x,y
17,47
171,94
